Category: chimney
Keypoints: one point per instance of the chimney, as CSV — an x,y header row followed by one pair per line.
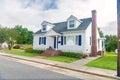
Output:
x,y
94,34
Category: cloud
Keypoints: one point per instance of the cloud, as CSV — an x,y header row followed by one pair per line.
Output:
x,y
110,28
40,4
30,13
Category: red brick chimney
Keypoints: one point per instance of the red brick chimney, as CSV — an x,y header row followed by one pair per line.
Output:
x,y
94,34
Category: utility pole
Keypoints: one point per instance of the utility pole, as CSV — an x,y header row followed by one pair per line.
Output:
x,y
118,33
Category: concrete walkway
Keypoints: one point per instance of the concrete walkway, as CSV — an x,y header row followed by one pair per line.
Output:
x,y
82,62
76,66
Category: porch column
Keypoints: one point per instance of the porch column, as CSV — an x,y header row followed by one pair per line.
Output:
x,y
56,43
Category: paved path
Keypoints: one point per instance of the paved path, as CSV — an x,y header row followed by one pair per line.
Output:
x,y
82,62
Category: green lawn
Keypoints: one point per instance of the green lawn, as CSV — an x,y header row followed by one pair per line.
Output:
x,y
62,59
20,52
55,58
109,61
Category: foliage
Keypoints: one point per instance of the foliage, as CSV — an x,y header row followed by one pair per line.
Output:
x,y
27,47
74,55
34,51
26,37
111,42
62,59
109,61
10,42
101,33
18,33
17,46
6,33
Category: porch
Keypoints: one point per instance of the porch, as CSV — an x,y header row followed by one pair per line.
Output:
x,y
52,40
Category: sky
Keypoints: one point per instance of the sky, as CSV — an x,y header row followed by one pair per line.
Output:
x,y
31,13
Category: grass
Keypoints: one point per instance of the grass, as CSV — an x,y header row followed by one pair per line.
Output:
x,y
62,59
20,52
27,54
109,61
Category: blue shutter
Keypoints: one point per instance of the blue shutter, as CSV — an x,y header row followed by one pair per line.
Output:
x,y
54,42
80,40
44,40
61,40
39,40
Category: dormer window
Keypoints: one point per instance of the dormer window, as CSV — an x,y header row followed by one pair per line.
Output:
x,y
44,27
71,23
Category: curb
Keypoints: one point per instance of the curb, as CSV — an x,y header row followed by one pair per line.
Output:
x,y
60,66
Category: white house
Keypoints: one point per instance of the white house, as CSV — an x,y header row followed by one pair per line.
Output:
x,y
72,35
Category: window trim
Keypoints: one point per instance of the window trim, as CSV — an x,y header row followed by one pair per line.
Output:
x,y
42,41
44,27
71,27
75,40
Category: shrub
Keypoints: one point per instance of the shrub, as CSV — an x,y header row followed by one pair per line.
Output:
x,y
74,55
25,47
34,51
17,46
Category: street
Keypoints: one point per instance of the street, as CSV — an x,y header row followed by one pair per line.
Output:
x,y
19,69
10,70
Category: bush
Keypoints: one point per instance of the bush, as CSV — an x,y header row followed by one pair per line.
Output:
x,y
34,51
28,47
73,54
17,46
25,47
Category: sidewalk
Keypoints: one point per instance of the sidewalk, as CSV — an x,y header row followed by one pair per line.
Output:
x,y
83,61
71,66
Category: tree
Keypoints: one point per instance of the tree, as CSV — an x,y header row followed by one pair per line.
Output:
x,y
111,42
10,42
6,33
101,33
30,37
26,36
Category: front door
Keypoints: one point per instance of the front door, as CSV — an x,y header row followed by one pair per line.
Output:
x,y
55,42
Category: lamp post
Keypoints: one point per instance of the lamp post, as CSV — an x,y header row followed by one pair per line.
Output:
x,y
118,33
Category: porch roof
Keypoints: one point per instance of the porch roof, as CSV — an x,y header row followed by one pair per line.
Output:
x,y
52,33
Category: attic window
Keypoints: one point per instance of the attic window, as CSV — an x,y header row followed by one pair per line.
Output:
x,y
44,27
71,23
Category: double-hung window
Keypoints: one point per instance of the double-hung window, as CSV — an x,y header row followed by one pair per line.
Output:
x,y
71,23
70,40
73,40
42,40
44,27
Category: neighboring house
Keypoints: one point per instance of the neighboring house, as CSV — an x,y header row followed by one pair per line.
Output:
x,y
4,45
72,35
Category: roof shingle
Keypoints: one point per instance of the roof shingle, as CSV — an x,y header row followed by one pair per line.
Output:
x,y
62,26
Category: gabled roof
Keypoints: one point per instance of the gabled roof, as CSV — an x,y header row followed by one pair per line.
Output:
x,y
62,26
75,18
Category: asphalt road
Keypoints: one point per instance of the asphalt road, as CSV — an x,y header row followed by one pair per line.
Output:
x,y
10,70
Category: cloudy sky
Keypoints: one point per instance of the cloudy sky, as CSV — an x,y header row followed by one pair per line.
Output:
x,y
30,13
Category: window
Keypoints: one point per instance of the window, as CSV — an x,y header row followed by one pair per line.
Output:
x,y
64,40
42,40
71,23
90,40
70,40
44,27
77,40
